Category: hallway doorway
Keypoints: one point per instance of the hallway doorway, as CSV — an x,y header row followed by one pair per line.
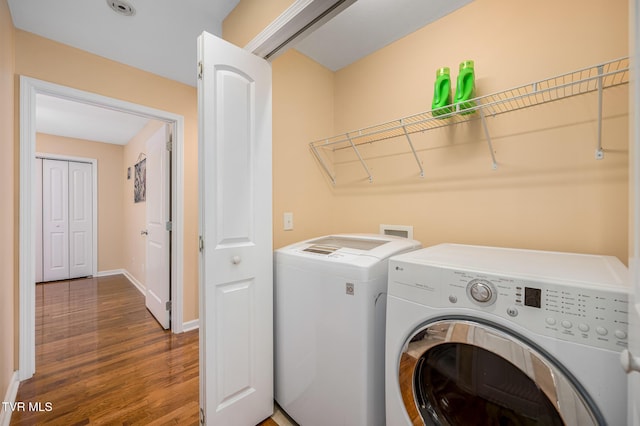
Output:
x,y
29,90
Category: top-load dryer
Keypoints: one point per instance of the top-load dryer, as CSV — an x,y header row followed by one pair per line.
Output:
x,y
330,304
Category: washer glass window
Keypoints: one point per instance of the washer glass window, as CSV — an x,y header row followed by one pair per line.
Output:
x,y
456,372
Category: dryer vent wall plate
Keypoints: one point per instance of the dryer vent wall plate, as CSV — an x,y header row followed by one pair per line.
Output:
x,y
405,231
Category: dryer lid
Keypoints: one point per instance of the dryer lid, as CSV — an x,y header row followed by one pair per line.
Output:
x,y
331,243
346,247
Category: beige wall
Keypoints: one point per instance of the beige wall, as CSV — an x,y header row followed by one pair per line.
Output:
x,y
110,191
8,295
135,214
302,109
549,192
44,59
303,105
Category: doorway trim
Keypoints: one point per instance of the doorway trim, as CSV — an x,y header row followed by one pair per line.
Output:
x,y
29,89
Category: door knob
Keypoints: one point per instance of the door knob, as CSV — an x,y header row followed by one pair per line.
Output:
x,y
144,232
629,362
235,260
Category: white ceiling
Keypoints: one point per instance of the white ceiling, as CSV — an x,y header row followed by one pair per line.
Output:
x,y
369,25
72,119
161,38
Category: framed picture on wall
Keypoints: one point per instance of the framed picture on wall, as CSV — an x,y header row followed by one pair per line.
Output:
x,y
140,182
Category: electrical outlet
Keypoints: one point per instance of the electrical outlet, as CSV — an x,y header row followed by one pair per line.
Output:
x,y
288,221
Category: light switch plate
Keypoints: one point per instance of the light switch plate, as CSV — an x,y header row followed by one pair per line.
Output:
x,y
288,221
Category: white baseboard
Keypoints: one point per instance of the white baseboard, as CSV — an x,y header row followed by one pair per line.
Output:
x,y
110,272
141,288
186,326
10,396
190,325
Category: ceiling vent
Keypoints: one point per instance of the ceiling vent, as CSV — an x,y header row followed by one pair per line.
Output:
x,y
121,7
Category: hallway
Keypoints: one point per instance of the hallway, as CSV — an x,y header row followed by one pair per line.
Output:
x,y
102,358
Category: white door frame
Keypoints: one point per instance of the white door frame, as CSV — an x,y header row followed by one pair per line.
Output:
x,y
29,89
94,201
633,378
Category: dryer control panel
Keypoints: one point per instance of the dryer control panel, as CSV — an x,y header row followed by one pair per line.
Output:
x,y
559,309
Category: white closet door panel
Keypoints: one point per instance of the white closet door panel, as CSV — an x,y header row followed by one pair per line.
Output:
x,y
80,220
38,207
236,275
55,222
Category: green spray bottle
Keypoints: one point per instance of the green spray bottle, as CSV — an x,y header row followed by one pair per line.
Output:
x,y
465,89
441,93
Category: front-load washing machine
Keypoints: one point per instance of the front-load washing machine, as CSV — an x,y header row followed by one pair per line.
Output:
x,y
329,307
495,336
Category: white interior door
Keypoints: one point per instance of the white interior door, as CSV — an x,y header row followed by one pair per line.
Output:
x,y
158,238
55,220
236,280
80,219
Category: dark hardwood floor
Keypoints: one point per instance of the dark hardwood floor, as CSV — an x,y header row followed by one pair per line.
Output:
x,y
101,358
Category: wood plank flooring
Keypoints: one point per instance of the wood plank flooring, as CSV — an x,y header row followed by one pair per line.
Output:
x,y
101,358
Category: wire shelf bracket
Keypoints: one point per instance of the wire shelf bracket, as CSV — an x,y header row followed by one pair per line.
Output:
x,y
323,164
413,150
494,164
364,165
599,151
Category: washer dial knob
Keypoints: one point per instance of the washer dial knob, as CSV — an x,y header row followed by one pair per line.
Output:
x,y
481,292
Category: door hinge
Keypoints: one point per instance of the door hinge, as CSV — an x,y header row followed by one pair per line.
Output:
x,y
200,243
168,305
169,226
169,144
200,70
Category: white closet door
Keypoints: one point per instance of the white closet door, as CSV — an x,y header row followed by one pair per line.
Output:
x,y
236,275
80,220
55,219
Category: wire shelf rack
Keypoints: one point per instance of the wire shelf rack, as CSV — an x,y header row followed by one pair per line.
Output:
x,y
590,79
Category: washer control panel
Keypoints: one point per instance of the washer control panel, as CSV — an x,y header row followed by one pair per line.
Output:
x,y
588,315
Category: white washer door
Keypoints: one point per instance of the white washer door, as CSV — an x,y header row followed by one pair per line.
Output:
x,y
459,371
